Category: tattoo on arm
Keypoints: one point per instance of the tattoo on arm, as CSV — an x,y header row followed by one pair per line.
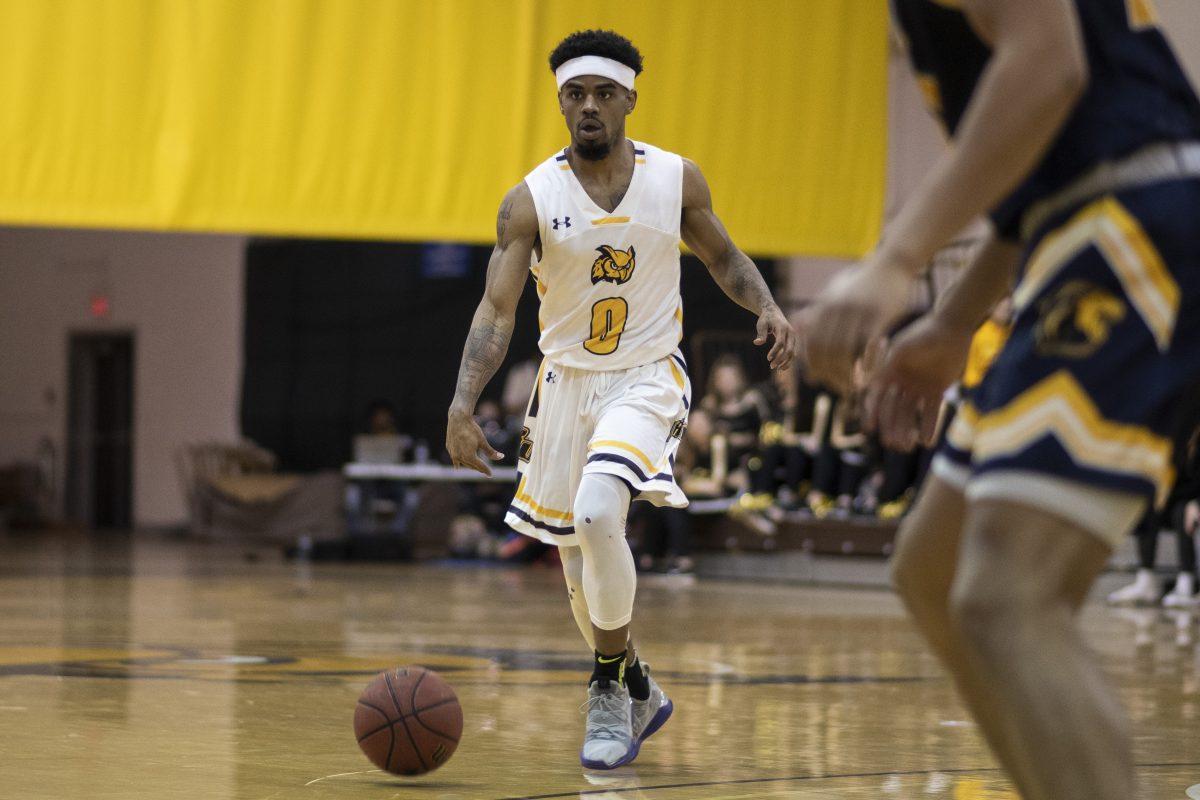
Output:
x,y
742,282
502,221
486,346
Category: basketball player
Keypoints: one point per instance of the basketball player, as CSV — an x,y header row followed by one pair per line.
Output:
x,y
1074,129
601,222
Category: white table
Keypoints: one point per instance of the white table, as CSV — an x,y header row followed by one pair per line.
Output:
x,y
428,473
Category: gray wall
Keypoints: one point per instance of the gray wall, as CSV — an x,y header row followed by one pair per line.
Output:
x,y
181,295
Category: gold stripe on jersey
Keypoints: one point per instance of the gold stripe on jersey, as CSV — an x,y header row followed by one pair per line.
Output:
x,y
610,221
1059,406
628,448
961,433
565,516
1126,248
1142,14
675,373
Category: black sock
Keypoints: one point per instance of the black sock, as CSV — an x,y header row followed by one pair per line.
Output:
x,y
635,679
609,668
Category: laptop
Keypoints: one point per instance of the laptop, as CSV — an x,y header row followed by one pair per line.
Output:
x,y
379,449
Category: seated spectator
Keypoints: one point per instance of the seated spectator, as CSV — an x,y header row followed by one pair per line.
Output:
x,y
702,462
382,420
376,505
701,469
478,531
788,439
737,410
826,470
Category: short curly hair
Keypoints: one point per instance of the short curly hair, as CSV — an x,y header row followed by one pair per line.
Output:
x,y
608,44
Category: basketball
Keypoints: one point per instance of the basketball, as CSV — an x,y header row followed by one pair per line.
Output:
x,y
408,721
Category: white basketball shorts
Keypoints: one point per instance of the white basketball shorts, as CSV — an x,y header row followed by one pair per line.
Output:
x,y
626,423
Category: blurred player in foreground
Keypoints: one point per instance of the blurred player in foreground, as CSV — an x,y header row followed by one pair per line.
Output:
x,y
1074,129
601,222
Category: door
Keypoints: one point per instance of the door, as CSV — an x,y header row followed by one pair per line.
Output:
x,y
100,430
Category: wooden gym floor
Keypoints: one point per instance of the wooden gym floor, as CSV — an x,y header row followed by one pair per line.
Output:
x,y
145,668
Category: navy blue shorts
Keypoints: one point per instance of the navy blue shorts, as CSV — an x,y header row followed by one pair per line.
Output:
x,y
1104,350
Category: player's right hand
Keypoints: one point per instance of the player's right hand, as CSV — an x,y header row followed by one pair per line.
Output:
x,y
904,397
850,313
466,443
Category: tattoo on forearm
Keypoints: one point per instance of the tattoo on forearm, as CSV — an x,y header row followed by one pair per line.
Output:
x,y
486,346
744,284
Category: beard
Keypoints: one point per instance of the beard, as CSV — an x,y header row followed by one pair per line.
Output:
x,y
593,151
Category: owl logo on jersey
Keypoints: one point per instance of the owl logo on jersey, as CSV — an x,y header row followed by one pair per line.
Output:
x,y
1077,319
613,265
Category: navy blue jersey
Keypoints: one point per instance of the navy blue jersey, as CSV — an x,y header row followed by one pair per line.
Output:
x,y
1137,93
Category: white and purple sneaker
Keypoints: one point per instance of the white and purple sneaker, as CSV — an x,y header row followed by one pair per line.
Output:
x,y
652,713
608,740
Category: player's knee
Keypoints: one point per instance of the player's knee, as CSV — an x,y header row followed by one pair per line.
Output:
x,y
986,617
913,579
600,507
595,517
905,572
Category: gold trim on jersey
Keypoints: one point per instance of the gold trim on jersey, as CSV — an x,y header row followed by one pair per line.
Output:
x,y
1142,14
565,516
931,92
675,373
610,221
961,433
1126,248
1059,406
627,448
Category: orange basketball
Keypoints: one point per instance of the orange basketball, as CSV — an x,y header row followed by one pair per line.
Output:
x,y
408,721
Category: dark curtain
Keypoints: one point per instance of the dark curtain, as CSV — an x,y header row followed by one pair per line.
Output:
x,y
331,326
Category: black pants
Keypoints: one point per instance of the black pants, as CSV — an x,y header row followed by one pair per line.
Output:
x,y
1147,531
899,473
779,465
665,531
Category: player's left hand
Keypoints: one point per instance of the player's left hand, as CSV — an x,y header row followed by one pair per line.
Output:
x,y
773,323
854,310
904,399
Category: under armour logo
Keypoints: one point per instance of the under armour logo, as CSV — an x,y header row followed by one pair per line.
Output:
x,y
566,222
551,377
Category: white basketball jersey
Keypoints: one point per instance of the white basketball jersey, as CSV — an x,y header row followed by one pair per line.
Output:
x,y
609,281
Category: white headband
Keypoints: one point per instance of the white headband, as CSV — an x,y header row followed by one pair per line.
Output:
x,y
595,65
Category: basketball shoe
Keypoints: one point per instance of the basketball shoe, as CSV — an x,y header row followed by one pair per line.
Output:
x,y
652,713
608,740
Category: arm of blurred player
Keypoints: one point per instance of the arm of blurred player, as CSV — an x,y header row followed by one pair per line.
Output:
x,y
904,398
732,269
491,328
1037,72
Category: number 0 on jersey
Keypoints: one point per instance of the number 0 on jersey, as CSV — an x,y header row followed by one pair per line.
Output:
x,y
608,323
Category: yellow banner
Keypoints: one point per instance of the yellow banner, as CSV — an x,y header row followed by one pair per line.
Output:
x,y
409,119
